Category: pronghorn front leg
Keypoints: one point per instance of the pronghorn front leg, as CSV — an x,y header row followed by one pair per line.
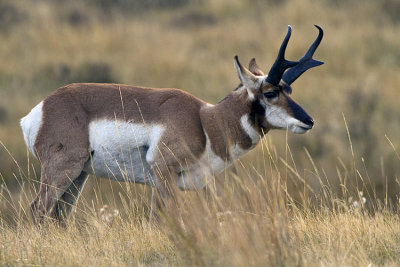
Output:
x,y
166,184
152,203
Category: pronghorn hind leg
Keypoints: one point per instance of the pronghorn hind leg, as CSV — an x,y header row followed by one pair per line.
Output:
x,y
47,196
62,146
69,198
55,179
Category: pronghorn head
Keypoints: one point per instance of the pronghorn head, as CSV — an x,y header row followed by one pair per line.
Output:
x,y
271,104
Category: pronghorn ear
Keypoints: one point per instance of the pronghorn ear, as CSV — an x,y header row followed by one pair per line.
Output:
x,y
253,68
248,79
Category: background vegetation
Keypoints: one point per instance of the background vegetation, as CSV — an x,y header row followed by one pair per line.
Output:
x,y
326,198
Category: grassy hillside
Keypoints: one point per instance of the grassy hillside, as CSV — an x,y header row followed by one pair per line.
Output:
x,y
290,201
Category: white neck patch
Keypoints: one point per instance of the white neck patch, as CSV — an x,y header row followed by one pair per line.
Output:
x,y
249,129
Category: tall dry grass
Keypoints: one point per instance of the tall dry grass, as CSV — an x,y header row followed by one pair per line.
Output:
x,y
248,217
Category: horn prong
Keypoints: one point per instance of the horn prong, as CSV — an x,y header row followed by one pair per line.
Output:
x,y
280,64
306,62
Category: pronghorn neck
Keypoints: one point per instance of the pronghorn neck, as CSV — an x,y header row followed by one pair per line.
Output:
x,y
231,124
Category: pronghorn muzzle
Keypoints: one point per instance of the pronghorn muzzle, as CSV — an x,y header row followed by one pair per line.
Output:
x,y
301,115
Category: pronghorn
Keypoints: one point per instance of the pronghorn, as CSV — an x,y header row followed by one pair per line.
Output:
x,y
165,138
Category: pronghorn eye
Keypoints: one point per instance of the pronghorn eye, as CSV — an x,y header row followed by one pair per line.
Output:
x,y
271,95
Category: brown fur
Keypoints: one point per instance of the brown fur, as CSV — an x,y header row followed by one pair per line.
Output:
x,y
221,123
62,144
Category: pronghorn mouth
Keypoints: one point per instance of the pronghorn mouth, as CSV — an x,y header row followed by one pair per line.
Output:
x,y
306,128
300,129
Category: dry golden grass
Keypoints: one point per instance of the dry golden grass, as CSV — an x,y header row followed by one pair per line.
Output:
x,y
246,218
293,201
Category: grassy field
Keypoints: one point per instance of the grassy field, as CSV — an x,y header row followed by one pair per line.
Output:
x,y
246,218
326,198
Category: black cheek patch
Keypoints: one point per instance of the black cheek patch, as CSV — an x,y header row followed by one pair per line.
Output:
x,y
257,114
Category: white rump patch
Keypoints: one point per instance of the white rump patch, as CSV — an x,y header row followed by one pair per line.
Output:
x,y
30,125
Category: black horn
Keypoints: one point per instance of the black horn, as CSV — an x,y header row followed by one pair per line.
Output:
x,y
280,64
306,62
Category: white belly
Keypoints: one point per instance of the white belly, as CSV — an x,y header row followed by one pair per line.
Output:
x,y
122,150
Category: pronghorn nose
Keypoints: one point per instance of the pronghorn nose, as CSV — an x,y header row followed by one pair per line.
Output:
x,y
309,121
